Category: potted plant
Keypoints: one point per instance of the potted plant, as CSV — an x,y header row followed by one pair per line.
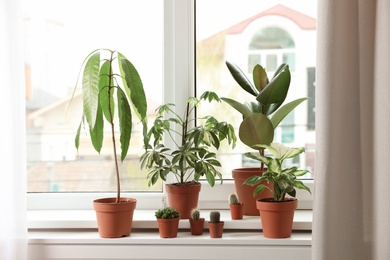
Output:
x,y
168,222
196,223
191,158
277,212
215,224
105,90
236,208
260,118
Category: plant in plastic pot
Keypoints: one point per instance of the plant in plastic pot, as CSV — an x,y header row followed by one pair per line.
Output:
x,y
277,212
260,117
110,82
192,157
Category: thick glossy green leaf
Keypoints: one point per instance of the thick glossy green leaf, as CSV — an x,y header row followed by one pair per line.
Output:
x,y
90,87
256,129
282,112
125,124
275,92
134,87
97,132
260,77
244,110
241,79
104,87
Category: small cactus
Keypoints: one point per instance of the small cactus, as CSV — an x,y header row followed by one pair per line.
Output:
x,y
195,215
233,199
167,212
215,216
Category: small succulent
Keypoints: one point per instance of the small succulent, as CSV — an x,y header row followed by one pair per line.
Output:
x,y
233,199
215,216
167,212
195,214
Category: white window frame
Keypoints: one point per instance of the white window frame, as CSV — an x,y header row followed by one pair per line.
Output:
x,y
179,68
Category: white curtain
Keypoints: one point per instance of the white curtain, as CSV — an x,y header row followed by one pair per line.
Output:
x,y
13,227
351,204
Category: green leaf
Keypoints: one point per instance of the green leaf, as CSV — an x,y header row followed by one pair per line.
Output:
x,y
244,110
97,132
77,138
104,87
125,124
274,94
282,112
241,79
300,185
134,87
259,189
90,87
260,77
256,129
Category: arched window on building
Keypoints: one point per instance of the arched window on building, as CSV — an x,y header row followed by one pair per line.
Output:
x,y
270,47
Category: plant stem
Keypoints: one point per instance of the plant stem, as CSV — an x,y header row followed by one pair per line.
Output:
x,y
118,186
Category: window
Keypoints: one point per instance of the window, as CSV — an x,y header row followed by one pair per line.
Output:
x,y
267,33
177,61
58,38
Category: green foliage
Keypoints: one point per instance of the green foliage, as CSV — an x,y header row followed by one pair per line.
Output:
x,y
263,114
195,214
167,212
233,199
100,83
284,180
194,156
215,216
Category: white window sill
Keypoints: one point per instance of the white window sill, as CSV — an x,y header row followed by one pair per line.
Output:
x,y
72,234
145,219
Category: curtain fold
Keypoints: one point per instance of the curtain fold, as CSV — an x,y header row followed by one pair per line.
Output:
x,y
13,223
351,208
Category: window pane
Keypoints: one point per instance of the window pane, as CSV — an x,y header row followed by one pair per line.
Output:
x,y
57,39
268,33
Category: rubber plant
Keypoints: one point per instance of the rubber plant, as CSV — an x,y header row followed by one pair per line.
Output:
x,y
99,84
264,113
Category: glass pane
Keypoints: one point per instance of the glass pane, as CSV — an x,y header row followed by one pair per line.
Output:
x,y
57,39
240,34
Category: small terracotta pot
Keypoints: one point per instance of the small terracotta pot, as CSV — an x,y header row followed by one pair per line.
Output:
x,y
277,217
183,198
196,226
245,192
216,229
237,211
168,228
114,219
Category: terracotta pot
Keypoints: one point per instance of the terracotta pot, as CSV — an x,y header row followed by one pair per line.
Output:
x,y
168,228
196,226
114,219
277,217
183,198
245,192
216,229
237,210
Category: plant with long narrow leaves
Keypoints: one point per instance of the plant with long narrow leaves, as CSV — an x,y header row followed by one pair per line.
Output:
x,y
263,114
284,180
100,83
193,157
